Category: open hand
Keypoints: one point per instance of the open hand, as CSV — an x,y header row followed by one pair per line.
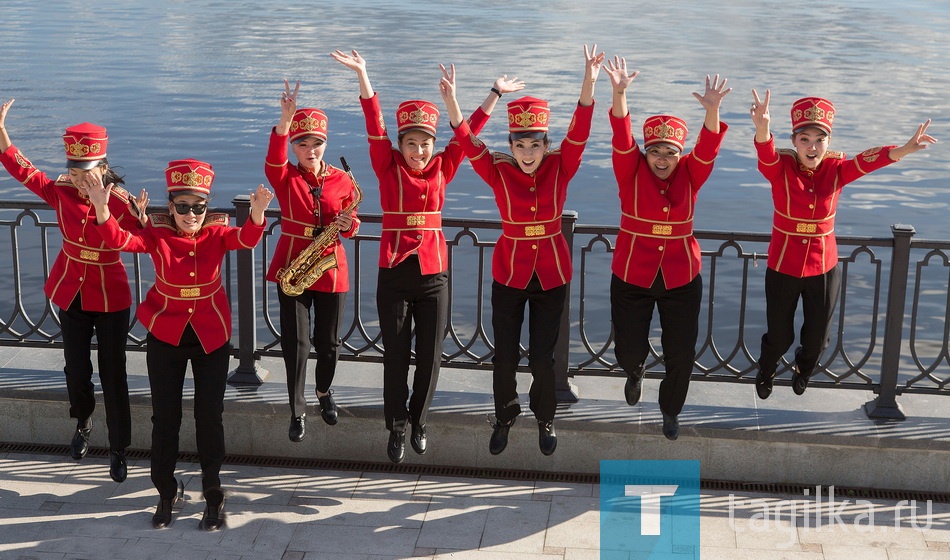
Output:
x,y
715,91
352,61
504,85
617,72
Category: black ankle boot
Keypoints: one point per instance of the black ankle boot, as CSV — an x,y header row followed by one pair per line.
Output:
x,y
396,448
499,436
79,446
547,439
118,468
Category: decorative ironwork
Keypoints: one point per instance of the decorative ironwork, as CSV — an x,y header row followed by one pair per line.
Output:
x,y
912,355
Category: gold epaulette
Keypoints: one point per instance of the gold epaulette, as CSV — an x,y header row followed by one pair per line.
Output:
x,y
834,154
162,221
501,157
124,195
217,219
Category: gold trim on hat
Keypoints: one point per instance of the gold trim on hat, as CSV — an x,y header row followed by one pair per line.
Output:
x,y
78,149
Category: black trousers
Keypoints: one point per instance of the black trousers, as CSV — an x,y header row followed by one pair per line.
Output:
x,y
111,330
406,297
295,341
166,377
819,296
545,308
631,311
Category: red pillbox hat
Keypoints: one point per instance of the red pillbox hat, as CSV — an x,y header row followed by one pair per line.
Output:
x,y
417,114
665,129
189,176
528,114
85,145
308,122
813,111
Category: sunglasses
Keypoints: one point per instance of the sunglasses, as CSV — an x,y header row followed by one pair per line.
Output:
x,y
184,209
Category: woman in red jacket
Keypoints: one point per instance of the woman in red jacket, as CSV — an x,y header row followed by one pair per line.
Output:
x,y
413,257
656,263
531,263
188,317
312,195
87,282
803,254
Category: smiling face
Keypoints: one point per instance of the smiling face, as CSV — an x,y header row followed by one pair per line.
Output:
x,y
662,159
529,152
189,223
811,145
416,146
309,151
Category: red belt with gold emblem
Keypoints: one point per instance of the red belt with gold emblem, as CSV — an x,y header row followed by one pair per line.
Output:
x,y
90,255
191,291
803,228
300,230
650,228
399,221
531,230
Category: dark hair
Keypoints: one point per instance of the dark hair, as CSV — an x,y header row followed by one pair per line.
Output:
x,y
533,135
403,134
111,175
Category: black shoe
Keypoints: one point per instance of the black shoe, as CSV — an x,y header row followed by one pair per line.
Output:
x,y
547,439
163,513
671,426
499,436
328,409
799,382
396,448
80,444
763,384
118,468
298,428
419,440
213,517
633,388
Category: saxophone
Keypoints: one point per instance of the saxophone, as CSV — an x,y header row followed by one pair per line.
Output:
x,y
310,264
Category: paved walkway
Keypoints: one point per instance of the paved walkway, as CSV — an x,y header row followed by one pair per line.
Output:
x,y
52,507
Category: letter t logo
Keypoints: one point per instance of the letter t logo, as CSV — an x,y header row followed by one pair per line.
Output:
x,y
649,504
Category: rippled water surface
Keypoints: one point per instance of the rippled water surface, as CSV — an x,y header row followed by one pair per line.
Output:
x,y
202,79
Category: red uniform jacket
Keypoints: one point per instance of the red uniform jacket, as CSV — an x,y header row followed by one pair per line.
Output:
x,y
531,205
803,241
656,223
412,200
84,265
188,286
298,219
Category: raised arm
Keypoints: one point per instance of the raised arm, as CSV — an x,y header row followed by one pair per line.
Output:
x,y
501,85
761,117
917,142
619,82
5,142
447,91
288,106
356,63
593,62
260,199
711,100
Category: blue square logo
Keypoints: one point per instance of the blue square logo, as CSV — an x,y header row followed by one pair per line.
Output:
x,y
649,510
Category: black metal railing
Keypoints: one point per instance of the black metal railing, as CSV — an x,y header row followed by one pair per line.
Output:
x,y
889,336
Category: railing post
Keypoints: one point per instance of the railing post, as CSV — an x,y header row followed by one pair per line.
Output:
x,y
886,405
249,370
565,390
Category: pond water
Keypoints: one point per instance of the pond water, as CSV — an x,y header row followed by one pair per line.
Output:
x,y
202,79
